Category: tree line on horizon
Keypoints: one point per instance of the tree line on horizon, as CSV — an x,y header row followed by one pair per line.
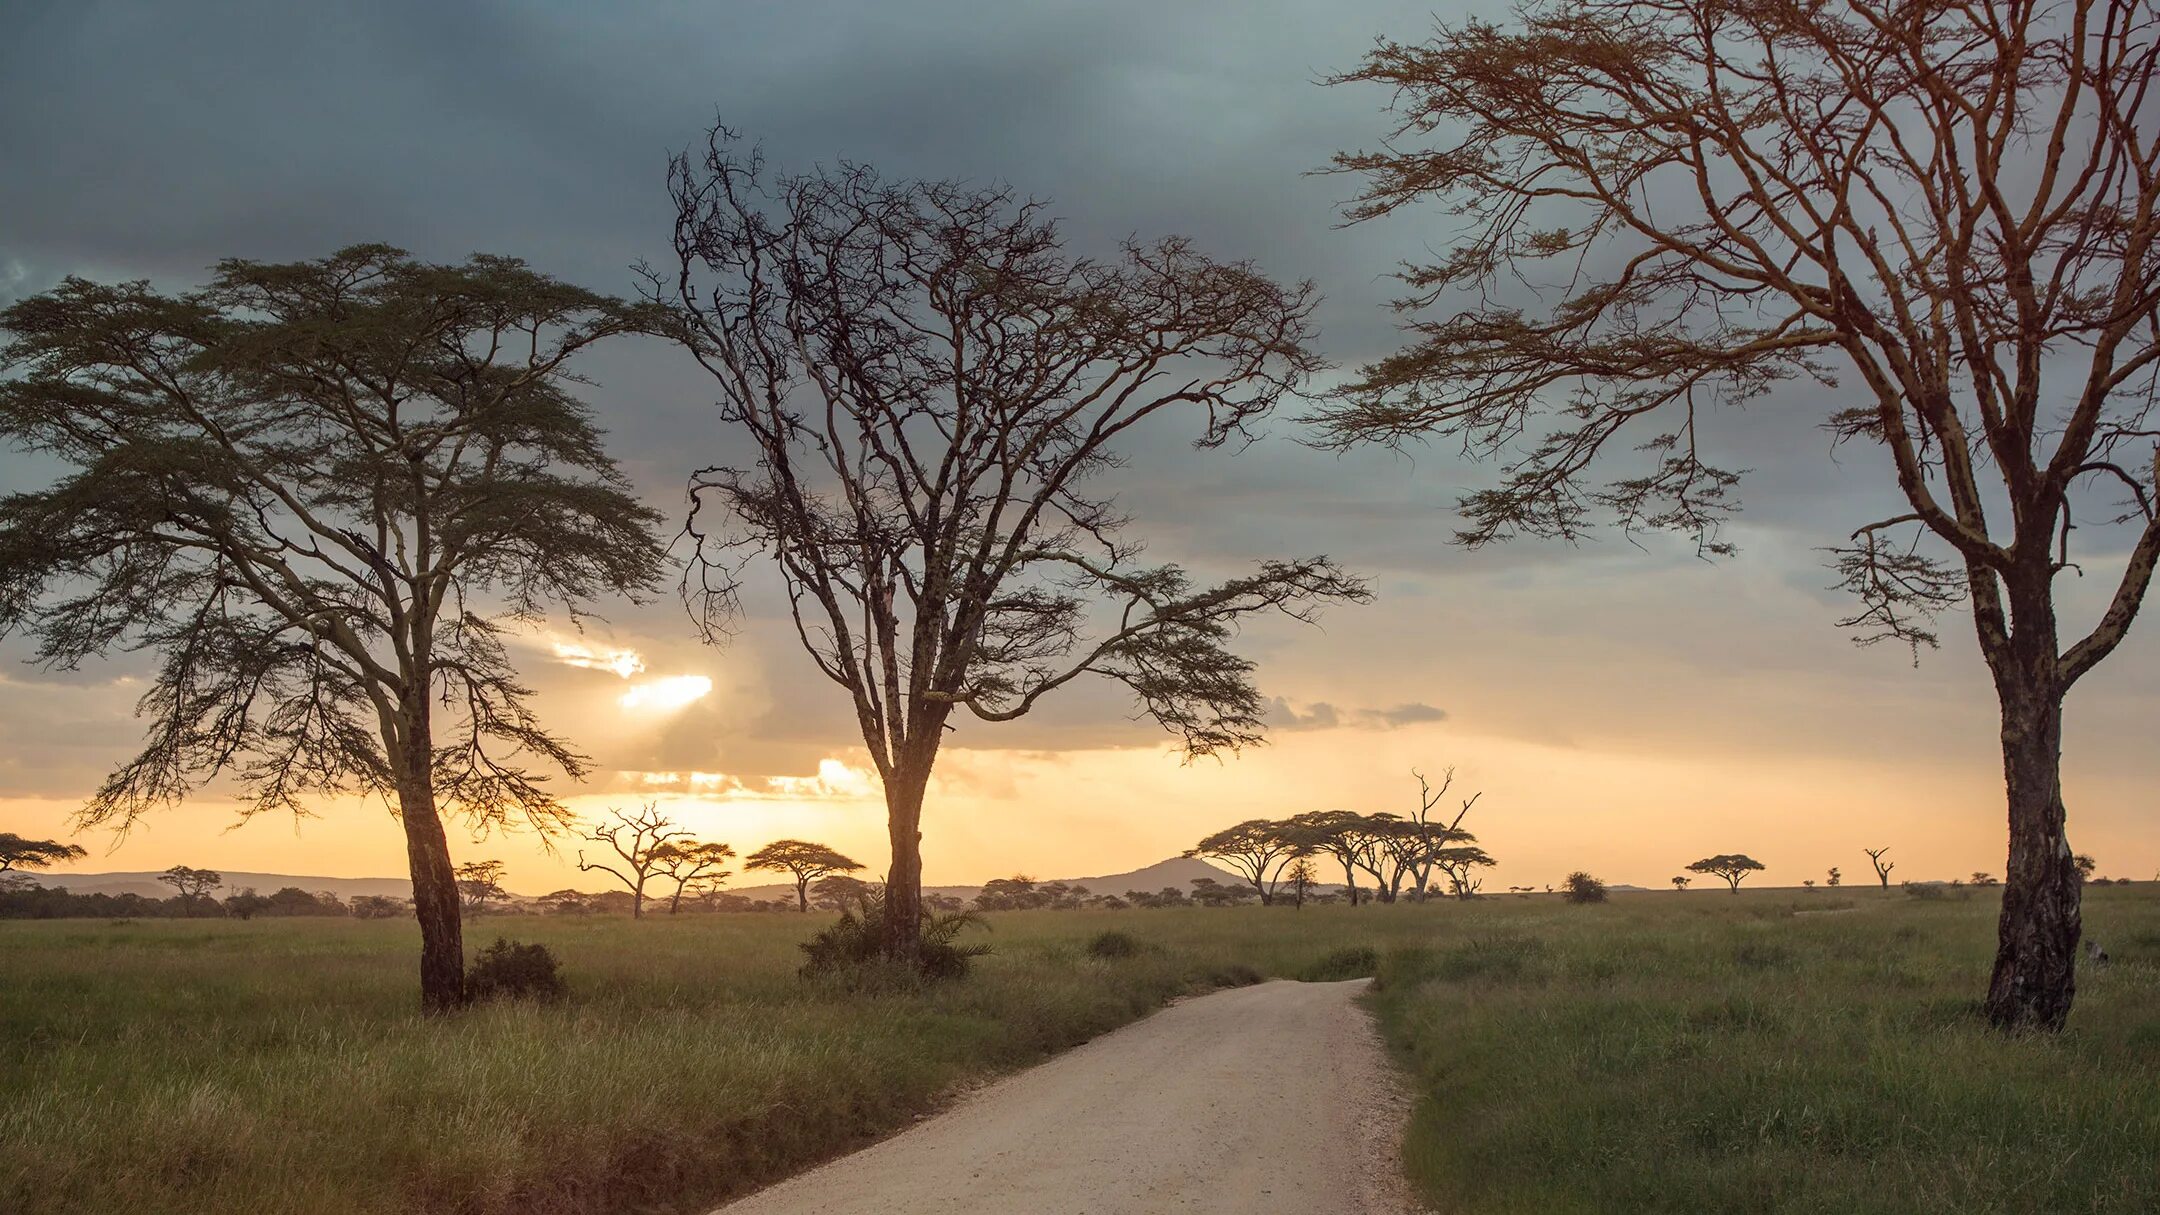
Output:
x,y
320,493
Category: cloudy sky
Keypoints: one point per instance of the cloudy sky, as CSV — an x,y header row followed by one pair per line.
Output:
x,y
1625,708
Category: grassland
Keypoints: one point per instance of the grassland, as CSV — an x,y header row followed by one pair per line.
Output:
x,y
1661,1052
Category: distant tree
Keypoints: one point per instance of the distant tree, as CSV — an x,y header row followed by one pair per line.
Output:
x,y
245,904
685,861
1807,884
1835,878
1014,893
379,907
1580,887
192,885
927,381
1340,834
1980,878
1938,219
1257,849
1301,878
635,837
1208,892
1882,867
19,853
320,492
803,860
839,892
479,884
566,902
1730,866
1680,883
2084,865
1422,837
1459,865
944,904
293,901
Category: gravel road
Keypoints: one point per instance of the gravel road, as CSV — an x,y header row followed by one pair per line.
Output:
x,y
1259,1099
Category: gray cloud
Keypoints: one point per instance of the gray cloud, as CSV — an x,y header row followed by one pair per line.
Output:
x,y
1320,715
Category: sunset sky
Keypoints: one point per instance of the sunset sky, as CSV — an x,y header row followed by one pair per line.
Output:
x,y
1624,708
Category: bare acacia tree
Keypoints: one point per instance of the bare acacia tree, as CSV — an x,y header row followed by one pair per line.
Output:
x,y
1943,213
928,383
639,839
1424,839
1882,867
320,492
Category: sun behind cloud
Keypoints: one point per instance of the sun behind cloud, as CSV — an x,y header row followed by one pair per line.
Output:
x,y
673,692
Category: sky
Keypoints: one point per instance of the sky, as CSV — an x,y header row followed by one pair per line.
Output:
x,y
1621,707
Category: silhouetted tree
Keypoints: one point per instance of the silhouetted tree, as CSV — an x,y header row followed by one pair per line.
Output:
x,y
1980,878
683,861
379,907
927,382
566,902
479,884
839,892
1680,883
2083,865
19,853
192,885
1459,865
320,491
1336,833
1422,839
244,903
1257,849
1945,208
806,862
1580,887
1731,866
1208,892
1301,879
1882,867
1835,878
636,838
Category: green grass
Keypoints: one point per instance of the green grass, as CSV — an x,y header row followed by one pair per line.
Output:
x,y
1705,1053
1660,1052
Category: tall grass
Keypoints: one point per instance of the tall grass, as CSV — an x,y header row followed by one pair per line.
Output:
x,y
1659,1052
1705,1053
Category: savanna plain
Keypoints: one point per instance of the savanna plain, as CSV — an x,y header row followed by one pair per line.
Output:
x,y
1774,1050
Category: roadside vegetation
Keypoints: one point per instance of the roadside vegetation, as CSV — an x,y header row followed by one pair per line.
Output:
x,y
1777,1050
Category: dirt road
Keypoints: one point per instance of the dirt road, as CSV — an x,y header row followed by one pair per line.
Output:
x,y
1260,1099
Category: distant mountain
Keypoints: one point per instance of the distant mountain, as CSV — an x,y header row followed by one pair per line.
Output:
x,y
1177,871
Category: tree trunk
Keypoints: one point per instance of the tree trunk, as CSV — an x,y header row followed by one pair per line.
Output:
x,y
802,895
2035,975
1350,882
435,890
903,881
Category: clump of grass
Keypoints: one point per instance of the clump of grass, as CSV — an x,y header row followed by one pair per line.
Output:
x,y
1235,974
1350,962
1113,944
854,948
1503,958
511,970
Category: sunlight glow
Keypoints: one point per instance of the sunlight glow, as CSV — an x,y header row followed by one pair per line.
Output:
x,y
623,662
673,692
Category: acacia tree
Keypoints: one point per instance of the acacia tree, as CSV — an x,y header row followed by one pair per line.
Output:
x,y
1422,839
19,853
191,884
1732,866
1301,878
320,491
928,383
1680,883
685,861
479,884
1459,865
1338,833
1882,867
638,839
802,860
1943,214
1258,849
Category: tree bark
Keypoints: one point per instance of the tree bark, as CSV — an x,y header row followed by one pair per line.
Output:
x,y
2035,975
435,890
802,895
903,881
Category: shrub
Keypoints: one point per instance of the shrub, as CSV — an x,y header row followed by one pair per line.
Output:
x,y
1236,974
510,970
855,946
1113,944
1355,962
1580,887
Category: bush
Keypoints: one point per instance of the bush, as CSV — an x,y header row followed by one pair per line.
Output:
x,y
1580,887
856,945
1236,974
1355,962
510,970
1113,944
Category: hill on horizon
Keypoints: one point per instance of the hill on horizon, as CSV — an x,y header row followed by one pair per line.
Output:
x,y
1176,871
